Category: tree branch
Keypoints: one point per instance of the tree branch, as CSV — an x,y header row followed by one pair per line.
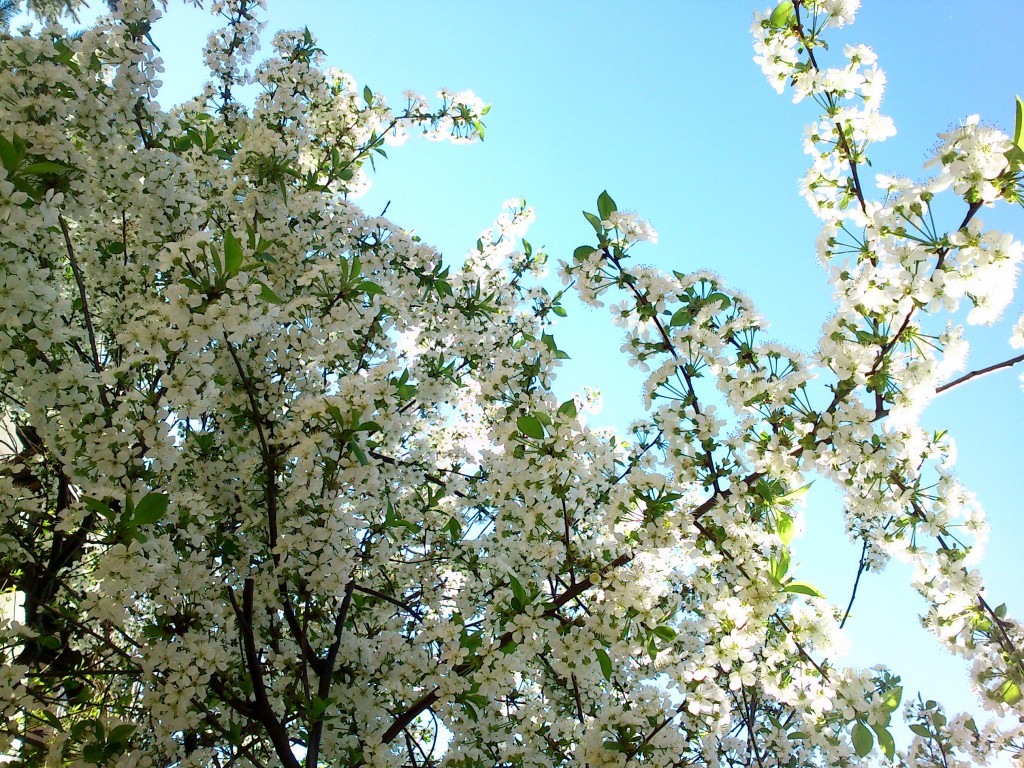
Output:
x,y
980,372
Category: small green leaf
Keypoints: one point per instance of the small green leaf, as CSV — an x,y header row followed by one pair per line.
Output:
x,y
9,154
509,647
50,719
232,254
568,408
121,733
453,528
893,697
97,506
518,592
719,298
921,730
318,706
681,317
780,566
802,588
605,661
93,753
151,509
582,252
885,741
1009,693
1019,124
666,633
367,94
39,169
862,739
359,453
782,15
796,493
530,427
784,527
595,222
605,205
267,294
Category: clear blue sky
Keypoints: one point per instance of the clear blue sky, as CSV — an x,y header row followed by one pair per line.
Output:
x,y
660,103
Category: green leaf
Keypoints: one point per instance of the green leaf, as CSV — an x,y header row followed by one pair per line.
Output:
x,y
802,588
595,222
719,298
1019,124
97,506
530,427
121,733
782,16
318,706
862,739
518,592
1009,693
885,741
666,633
784,528
780,566
605,205
93,753
50,719
582,252
9,154
359,453
151,509
267,294
232,254
796,493
41,168
893,697
453,528
681,317
509,647
367,94
921,730
568,408
605,661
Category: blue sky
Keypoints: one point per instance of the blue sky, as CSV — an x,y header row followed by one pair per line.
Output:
x,y
659,102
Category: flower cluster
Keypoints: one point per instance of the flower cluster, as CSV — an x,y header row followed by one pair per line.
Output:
x,y
286,488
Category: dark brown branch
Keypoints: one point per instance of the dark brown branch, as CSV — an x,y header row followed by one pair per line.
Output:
x,y
861,566
326,676
270,466
80,282
387,598
980,372
264,711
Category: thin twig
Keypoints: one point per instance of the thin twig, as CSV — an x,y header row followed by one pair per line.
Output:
x,y
856,582
80,282
980,372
